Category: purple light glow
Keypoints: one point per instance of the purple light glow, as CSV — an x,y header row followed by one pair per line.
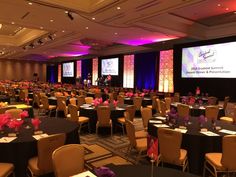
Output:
x,y
70,54
148,40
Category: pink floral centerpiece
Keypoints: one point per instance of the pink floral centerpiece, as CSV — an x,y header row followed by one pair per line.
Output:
x,y
36,122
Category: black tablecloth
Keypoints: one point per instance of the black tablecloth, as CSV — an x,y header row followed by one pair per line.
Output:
x,y
145,101
103,95
24,147
92,114
145,171
196,143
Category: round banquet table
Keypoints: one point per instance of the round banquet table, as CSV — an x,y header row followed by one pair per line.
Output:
x,y
145,101
145,170
4,98
20,150
196,143
91,112
197,110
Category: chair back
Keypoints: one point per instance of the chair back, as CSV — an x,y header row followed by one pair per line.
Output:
x,y
23,94
228,152
73,111
226,100
152,94
120,99
60,100
88,100
212,100
154,103
36,100
73,101
158,105
58,94
131,109
14,113
183,110
4,109
111,96
137,102
163,108
130,129
176,97
169,143
168,102
146,115
211,112
46,146
80,100
82,93
44,100
68,160
103,113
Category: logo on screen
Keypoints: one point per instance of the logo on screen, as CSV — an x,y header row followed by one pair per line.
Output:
x,y
206,56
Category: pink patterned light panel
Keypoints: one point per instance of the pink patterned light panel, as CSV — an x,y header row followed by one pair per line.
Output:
x,y
95,71
59,73
128,77
166,71
78,68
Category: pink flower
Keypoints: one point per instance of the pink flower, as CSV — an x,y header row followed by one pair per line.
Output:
x,y
24,114
142,94
115,103
136,94
15,124
100,100
35,122
106,103
4,119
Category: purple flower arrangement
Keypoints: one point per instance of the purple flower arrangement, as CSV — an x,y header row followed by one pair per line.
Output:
x,y
104,172
201,120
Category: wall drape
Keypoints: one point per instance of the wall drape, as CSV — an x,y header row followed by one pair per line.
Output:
x,y
86,68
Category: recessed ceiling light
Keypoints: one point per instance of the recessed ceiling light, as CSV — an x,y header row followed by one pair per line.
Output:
x,y
51,20
66,12
41,27
218,5
0,25
93,18
63,31
115,33
30,3
118,8
234,12
86,27
12,23
227,8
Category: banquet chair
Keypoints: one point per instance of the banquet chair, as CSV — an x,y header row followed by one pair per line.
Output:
x,y
14,113
46,105
176,97
73,160
6,169
42,164
230,119
37,103
61,105
152,94
211,113
104,120
137,103
80,100
158,105
212,100
23,94
183,110
226,100
58,94
82,93
170,148
163,108
73,101
140,144
131,110
154,103
74,117
146,114
120,99
111,96
224,162
122,93
88,100
168,103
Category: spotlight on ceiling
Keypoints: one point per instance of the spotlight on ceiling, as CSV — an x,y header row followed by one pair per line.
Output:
x,y
0,25
50,37
69,14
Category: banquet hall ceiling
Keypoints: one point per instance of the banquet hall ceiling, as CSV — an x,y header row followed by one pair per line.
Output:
x,y
59,28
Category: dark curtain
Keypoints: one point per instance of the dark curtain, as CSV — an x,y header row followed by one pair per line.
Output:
x,y
145,65
86,66
52,73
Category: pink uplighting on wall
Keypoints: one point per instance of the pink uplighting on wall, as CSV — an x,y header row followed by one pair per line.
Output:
x,y
166,71
95,71
59,73
78,68
128,76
